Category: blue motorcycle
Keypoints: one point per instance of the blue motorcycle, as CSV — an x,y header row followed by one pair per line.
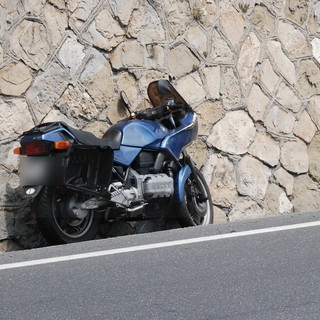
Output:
x,y
139,170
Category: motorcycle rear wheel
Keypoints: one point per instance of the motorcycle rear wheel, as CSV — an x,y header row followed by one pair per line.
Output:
x,y
58,220
194,210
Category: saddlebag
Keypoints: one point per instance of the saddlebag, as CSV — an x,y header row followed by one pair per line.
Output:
x,y
90,167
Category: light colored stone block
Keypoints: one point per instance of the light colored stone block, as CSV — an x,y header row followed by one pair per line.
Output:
x,y
263,21
123,9
267,76
248,58
294,156
314,156
177,16
219,216
316,48
71,54
15,79
220,175
208,11
292,39
230,89
297,10
304,128
145,24
234,133
76,104
285,179
128,54
265,148
213,79
279,121
15,118
208,114
97,78
252,178
199,152
257,103
197,39
284,65
287,97
191,88
309,78
232,24
79,10
306,194
220,51
314,110
245,208
277,202
182,61
30,42
56,21
46,89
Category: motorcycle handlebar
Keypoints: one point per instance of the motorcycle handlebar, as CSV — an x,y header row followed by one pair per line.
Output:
x,y
151,113
159,112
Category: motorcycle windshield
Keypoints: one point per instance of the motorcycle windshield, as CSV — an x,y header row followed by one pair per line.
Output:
x,y
160,91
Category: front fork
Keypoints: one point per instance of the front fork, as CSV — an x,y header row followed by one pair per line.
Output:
x,y
195,177
187,170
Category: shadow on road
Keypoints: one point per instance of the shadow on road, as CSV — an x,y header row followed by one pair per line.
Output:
x,y
20,220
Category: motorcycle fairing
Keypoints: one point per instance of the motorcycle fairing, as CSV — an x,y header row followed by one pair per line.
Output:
x,y
157,98
182,136
138,135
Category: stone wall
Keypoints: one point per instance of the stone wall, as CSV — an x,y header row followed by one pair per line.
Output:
x,y
250,69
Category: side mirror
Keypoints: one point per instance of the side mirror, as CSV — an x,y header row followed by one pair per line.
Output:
x,y
125,101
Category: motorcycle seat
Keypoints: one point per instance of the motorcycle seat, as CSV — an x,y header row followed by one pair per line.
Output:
x,y
112,138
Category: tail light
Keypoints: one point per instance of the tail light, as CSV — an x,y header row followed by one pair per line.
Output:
x,y
35,147
41,147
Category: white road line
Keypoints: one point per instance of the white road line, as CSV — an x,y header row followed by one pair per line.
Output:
x,y
156,245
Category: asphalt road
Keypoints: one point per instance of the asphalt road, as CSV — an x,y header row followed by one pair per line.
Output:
x,y
227,271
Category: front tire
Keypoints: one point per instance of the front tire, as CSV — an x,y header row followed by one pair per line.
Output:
x,y
60,221
196,209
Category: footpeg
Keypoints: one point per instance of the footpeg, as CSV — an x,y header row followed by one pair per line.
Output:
x,y
93,203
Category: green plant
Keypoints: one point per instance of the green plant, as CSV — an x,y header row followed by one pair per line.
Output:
x,y
196,13
195,67
244,7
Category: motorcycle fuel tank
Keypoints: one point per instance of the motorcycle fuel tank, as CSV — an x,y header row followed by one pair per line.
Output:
x,y
141,133
138,134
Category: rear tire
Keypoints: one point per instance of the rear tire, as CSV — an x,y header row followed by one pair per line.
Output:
x,y
58,221
195,211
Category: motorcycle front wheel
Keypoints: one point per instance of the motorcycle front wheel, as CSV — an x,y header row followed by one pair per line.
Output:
x,y
197,208
61,221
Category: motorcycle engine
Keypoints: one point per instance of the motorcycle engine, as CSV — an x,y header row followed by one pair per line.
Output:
x,y
141,188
